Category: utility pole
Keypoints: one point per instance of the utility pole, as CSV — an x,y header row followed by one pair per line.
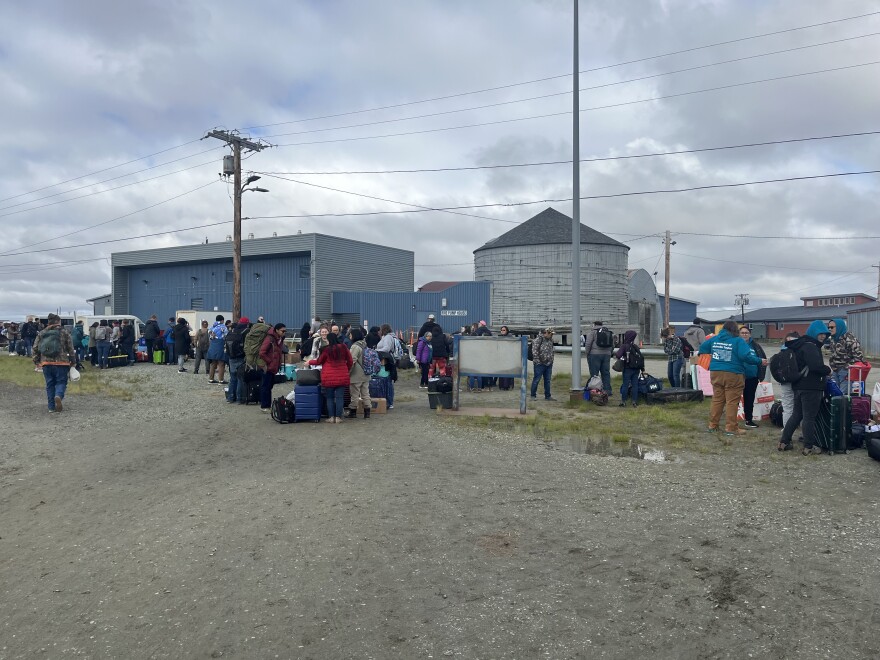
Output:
x,y
236,142
666,281
576,219
878,281
742,299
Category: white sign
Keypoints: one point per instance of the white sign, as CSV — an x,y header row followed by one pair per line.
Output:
x,y
453,312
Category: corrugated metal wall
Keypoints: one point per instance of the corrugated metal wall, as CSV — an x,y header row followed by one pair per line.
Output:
x,y
644,306
357,266
531,285
466,303
865,325
681,312
271,287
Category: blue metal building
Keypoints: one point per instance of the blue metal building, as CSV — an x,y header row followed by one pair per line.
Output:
x,y
284,278
681,312
461,303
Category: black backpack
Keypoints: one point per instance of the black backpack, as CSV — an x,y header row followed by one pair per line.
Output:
x,y
235,343
282,410
686,349
784,367
634,358
776,414
604,338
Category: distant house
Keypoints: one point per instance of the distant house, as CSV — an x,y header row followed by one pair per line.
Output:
x,y
101,305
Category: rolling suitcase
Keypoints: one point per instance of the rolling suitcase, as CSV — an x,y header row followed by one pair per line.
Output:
x,y
252,392
309,403
158,357
873,445
675,395
861,409
834,424
378,387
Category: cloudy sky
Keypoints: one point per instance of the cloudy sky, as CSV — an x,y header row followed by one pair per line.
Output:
x,y
105,102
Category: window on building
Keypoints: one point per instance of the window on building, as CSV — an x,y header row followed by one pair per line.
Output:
x,y
229,277
780,326
851,300
197,304
305,271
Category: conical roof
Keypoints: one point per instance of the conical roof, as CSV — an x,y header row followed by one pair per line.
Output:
x,y
549,226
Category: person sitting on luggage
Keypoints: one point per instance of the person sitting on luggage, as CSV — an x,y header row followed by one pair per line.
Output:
x,y
809,389
336,363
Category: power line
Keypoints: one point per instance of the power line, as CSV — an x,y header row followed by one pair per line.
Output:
x,y
101,192
583,160
582,89
565,75
597,107
106,222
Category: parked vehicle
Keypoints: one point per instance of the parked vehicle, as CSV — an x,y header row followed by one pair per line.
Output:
x,y
88,319
195,318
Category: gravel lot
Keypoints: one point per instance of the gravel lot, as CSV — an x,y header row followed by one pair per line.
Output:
x,y
175,525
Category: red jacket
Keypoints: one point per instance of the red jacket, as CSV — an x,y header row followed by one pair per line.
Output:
x,y
270,351
334,373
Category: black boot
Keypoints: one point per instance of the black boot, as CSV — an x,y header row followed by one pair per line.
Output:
x,y
366,413
352,413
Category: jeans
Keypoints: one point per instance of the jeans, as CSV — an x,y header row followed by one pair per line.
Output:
x,y
12,343
474,382
103,347
673,372
180,360
200,355
389,392
806,409
266,386
169,353
128,349
630,385
601,364
749,390
334,398
56,382
544,371
424,366
786,395
28,346
236,385
841,377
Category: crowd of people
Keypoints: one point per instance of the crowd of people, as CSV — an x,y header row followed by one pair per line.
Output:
x,y
251,355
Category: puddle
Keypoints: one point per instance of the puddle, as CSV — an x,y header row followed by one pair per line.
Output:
x,y
609,448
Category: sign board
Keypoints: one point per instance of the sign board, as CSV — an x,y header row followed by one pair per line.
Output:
x,y
496,356
453,312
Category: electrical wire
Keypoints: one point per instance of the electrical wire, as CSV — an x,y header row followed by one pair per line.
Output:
x,y
564,75
555,94
584,160
597,107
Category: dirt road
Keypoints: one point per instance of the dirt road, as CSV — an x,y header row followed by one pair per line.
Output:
x,y
149,530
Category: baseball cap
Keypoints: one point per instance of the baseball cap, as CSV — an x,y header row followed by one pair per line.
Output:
x,y
244,319
431,316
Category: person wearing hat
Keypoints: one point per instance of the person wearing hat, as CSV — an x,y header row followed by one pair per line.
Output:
x,y
428,325
599,357
53,351
235,350
542,350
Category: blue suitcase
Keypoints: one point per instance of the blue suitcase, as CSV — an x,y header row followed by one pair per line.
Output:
x,y
308,403
378,387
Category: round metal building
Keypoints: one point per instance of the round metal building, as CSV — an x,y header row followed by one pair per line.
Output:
x,y
530,271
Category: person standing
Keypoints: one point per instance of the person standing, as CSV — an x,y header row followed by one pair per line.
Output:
x,y
235,351
542,351
428,325
336,364
102,342
181,338
845,351
633,366
53,351
786,394
809,389
217,352
28,335
424,358
358,378
754,374
126,340
203,342
674,357
151,334
271,355
93,344
598,347
439,353
77,337
730,355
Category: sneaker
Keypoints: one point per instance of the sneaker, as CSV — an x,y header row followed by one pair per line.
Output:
x,y
390,407
534,397
549,398
712,429
622,404
750,425
180,371
265,410
423,387
212,381
735,432
50,410
58,406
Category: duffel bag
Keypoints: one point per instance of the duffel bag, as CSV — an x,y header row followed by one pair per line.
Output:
x,y
308,376
675,395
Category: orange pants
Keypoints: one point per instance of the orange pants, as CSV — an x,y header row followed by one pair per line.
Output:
x,y
727,389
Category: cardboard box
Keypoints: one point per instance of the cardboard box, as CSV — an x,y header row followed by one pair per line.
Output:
x,y
379,406
292,358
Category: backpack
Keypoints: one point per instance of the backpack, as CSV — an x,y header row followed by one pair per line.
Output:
x,y
253,341
634,358
370,361
784,367
686,349
776,414
282,410
397,349
530,355
235,343
50,344
599,397
604,338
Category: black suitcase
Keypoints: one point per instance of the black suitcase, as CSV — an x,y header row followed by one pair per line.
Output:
x,y
252,392
834,424
675,395
873,446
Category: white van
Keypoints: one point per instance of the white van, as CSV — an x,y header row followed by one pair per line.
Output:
x,y
88,319
195,318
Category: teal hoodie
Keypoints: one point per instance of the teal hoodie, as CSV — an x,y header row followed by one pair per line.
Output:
x,y
818,327
839,331
729,353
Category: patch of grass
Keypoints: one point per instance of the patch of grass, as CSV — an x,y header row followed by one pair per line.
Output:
x,y
620,437
20,371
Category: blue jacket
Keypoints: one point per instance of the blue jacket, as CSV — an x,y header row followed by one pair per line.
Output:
x,y
729,353
756,370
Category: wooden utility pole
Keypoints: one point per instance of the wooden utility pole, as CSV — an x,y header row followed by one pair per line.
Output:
x,y
666,289
576,218
878,281
236,142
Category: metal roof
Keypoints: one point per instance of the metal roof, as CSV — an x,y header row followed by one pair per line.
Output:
x,y
798,313
839,295
549,226
430,287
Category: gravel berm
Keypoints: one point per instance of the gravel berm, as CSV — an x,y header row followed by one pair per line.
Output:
x,y
178,526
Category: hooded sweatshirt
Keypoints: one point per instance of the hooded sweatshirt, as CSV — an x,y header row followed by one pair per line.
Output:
x,y
729,353
628,338
808,351
845,348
